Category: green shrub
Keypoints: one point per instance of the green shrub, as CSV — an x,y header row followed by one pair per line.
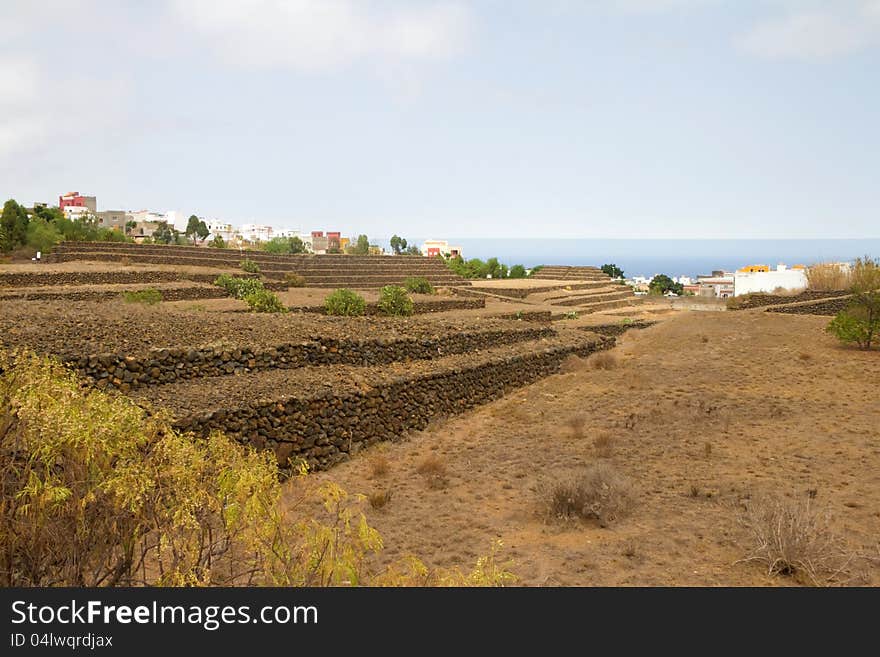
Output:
x,y
218,242
534,270
149,296
856,324
294,280
345,302
238,288
394,300
517,271
418,285
571,314
264,301
250,266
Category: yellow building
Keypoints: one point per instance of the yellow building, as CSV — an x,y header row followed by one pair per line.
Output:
x,y
753,269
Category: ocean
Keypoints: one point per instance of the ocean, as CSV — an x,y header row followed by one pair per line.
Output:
x,y
673,257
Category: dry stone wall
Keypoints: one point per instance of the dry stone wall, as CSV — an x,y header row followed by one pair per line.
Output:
x,y
829,307
327,428
125,372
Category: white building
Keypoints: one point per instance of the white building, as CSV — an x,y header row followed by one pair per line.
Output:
x,y
440,247
746,282
720,284
223,229
74,212
257,232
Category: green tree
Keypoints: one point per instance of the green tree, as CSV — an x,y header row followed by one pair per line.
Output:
x,y
130,225
42,235
398,244
412,250
613,271
361,246
14,222
165,234
296,245
661,284
860,321
196,229
517,271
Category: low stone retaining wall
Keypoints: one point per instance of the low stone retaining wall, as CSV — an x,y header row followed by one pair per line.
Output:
x,y
35,279
758,300
830,307
615,330
325,429
529,315
419,307
596,298
167,365
168,294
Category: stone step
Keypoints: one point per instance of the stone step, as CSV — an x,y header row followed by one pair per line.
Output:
x,y
323,415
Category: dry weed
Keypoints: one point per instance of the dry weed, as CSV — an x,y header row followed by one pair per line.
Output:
x,y
603,360
576,424
603,445
378,499
380,466
598,492
792,538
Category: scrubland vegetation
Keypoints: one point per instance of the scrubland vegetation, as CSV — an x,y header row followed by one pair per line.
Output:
x,y
97,493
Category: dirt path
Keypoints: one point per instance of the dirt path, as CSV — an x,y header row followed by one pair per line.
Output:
x,y
703,411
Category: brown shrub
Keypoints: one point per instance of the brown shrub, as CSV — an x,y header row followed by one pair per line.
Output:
x,y
572,363
603,445
598,493
294,280
433,468
379,465
379,498
603,360
793,538
576,424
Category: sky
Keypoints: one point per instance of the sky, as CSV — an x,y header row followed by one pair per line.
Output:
x,y
514,118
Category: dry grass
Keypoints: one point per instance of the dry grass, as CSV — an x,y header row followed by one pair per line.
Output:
x,y
572,363
597,493
576,423
603,360
794,539
433,468
379,498
828,276
380,466
603,445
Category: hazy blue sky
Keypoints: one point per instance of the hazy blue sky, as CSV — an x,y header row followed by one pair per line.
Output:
x,y
591,118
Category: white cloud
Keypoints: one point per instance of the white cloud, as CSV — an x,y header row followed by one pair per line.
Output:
x,y
320,35
844,28
37,112
658,6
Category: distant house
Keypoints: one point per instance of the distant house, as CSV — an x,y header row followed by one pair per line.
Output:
x,y
257,232
760,278
75,200
720,285
114,219
432,248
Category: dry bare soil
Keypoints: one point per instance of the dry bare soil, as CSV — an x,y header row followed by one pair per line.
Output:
x,y
701,413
